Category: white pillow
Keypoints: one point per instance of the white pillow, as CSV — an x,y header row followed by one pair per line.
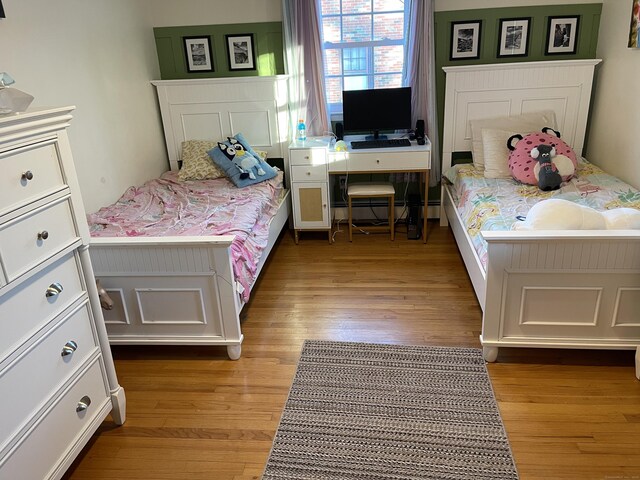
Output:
x,y
496,153
522,124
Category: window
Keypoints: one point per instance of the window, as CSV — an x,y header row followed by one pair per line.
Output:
x,y
363,43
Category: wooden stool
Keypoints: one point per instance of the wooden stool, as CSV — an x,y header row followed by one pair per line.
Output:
x,y
372,190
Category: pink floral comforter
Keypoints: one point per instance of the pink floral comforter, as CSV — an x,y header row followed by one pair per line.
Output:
x,y
166,207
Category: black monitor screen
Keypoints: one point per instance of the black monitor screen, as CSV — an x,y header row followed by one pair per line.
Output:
x,y
378,109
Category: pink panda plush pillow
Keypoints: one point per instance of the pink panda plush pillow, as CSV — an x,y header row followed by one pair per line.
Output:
x,y
524,168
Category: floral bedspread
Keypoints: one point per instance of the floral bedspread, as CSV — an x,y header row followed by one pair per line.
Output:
x,y
166,207
495,204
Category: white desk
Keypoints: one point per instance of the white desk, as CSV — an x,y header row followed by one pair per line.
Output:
x,y
312,161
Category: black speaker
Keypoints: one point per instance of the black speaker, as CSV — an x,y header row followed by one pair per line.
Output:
x,y
420,132
339,131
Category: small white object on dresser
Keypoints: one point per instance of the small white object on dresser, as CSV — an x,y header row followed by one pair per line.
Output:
x,y
57,379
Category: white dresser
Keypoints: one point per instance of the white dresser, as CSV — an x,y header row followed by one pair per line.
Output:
x,y
57,379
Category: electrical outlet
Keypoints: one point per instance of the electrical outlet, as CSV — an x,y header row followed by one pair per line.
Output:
x,y
343,184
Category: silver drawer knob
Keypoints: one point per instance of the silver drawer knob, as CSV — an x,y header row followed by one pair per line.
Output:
x,y
53,290
83,404
43,235
69,347
28,175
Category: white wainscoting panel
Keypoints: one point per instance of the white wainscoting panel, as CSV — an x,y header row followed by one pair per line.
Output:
x,y
197,122
118,314
582,306
151,260
178,306
627,308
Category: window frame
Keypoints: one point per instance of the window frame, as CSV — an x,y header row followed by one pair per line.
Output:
x,y
335,109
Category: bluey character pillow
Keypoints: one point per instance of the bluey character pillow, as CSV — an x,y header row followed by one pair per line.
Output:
x,y
239,165
239,138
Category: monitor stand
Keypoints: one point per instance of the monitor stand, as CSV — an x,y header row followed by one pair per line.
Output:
x,y
376,136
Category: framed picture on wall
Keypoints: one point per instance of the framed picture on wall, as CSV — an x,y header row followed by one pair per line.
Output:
x,y
1,10
634,35
562,35
241,52
465,40
198,53
514,37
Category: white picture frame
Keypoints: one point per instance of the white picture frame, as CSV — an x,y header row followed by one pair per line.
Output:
x,y
514,37
562,35
465,40
241,52
197,51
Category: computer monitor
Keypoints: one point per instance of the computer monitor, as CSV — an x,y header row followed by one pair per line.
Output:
x,y
377,109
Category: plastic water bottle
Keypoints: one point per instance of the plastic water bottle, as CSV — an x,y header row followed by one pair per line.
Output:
x,y
302,131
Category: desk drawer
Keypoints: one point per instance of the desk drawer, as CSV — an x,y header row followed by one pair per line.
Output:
x,y
379,161
308,156
59,430
38,162
308,173
26,309
21,249
30,380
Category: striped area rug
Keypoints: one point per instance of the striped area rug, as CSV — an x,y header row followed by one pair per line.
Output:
x,y
368,411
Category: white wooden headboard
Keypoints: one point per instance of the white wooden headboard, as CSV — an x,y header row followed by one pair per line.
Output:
x,y
485,91
215,108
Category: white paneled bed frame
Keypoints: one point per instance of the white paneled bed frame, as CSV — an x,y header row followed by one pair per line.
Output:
x,y
556,289
182,290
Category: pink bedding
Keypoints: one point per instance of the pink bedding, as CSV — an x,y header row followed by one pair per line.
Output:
x,y
167,207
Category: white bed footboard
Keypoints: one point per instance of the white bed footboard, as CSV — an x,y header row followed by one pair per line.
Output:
x,y
169,290
175,290
569,289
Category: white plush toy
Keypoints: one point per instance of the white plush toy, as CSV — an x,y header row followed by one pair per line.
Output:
x,y
558,214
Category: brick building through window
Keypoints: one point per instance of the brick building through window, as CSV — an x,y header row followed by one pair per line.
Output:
x,y
363,45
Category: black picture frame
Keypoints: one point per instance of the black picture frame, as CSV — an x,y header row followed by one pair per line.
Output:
x,y
465,40
513,37
562,35
2,15
241,51
197,52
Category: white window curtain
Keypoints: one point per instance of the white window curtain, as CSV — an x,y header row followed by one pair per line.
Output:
x,y
303,58
420,75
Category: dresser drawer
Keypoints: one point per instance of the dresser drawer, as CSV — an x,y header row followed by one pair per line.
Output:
x,y
26,309
309,173
308,156
29,381
29,173
59,429
22,241
383,161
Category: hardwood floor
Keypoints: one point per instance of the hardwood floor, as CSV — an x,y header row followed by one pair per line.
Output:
x,y
194,414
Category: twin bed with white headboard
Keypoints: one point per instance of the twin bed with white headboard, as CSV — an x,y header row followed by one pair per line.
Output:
x,y
182,289
551,288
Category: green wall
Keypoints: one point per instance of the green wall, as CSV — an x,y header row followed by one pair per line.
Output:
x,y
589,22
268,47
